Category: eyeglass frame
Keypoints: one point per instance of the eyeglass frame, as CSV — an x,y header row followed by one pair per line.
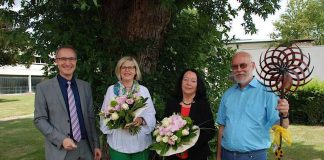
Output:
x,y
241,66
127,67
66,59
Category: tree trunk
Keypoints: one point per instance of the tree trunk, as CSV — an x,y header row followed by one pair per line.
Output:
x,y
139,20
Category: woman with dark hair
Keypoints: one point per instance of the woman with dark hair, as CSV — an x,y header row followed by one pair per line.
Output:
x,y
191,100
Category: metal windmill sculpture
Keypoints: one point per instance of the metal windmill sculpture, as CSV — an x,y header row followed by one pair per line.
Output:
x,y
283,70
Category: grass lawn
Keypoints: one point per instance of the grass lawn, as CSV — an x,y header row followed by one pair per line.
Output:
x,y
308,143
16,105
20,140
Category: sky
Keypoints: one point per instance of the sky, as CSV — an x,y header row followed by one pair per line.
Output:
x,y
264,27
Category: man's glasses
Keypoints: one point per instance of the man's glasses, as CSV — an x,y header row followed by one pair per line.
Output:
x,y
241,65
127,67
67,59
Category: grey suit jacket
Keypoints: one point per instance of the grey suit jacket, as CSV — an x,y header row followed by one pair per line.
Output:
x,y
52,119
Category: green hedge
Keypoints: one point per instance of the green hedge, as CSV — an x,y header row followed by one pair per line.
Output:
x,y
307,104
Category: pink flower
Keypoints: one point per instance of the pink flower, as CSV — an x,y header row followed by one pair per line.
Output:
x,y
121,99
171,142
174,128
178,122
163,131
118,108
129,101
137,94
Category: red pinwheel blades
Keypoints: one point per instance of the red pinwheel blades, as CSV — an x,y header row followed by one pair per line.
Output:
x,y
284,69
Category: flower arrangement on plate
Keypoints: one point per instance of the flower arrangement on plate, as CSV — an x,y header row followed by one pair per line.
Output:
x,y
174,134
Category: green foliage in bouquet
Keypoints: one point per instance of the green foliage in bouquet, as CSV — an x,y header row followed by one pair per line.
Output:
x,y
121,112
173,132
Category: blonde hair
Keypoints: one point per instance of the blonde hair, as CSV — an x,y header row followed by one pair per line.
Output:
x,y
138,74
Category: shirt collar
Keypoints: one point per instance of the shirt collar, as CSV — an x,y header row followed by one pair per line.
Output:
x,y
253,83
62,80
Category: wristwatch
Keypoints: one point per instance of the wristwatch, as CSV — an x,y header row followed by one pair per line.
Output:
x,y
285,116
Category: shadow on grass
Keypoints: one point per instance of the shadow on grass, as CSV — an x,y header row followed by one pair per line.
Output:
x,y
19,139
8,100
300,151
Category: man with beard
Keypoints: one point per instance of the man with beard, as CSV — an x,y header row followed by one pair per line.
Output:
x,y
246,114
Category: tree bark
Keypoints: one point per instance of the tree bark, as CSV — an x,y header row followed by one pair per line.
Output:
x,y
139,20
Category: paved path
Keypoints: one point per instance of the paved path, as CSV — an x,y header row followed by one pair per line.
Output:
x,y
16,117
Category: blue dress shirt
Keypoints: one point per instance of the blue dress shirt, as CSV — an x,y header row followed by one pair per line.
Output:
x,y
63,85
247,116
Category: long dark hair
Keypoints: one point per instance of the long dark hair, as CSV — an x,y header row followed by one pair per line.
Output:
x,y
201,89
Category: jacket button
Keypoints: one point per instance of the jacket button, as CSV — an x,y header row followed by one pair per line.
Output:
x,y
68,121
68,134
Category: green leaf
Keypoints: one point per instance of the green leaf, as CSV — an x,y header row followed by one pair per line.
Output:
x,y
113,103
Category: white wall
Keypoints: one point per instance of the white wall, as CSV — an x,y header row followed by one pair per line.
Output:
x,y
34,70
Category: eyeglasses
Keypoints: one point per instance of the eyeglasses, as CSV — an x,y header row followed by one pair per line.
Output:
x,y
241,65
67,58
127,67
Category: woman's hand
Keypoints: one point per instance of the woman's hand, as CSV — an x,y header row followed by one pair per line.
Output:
x,y
138,121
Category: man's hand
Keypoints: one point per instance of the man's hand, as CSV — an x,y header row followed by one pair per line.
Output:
x,y
283,107
68,144
97,154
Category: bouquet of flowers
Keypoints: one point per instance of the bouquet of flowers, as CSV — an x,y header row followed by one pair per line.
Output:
x,y
174,134
122,110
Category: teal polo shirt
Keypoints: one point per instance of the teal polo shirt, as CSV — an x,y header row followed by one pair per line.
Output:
x,y
247,116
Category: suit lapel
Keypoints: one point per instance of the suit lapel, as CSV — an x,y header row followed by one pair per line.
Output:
x,y
59,93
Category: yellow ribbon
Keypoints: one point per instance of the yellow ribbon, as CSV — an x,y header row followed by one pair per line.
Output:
x,y
285,134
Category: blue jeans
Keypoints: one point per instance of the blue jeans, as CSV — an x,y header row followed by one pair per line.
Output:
x,y
252,155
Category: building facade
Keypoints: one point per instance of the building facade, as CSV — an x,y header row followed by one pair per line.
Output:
x,y
256,48
20,79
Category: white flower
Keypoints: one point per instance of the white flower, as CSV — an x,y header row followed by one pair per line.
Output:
x,y
136,97
169,133
165,139
110,108
106,120
125,106
184,122
114,116
166,122
156,132
185,132
158,138
174,138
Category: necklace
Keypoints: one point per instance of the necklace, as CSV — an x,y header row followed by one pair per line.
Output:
x,y
188,103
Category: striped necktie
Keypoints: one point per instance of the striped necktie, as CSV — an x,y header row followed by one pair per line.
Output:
x,y
73,114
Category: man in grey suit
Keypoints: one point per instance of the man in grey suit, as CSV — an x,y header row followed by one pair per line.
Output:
x,y
64,113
